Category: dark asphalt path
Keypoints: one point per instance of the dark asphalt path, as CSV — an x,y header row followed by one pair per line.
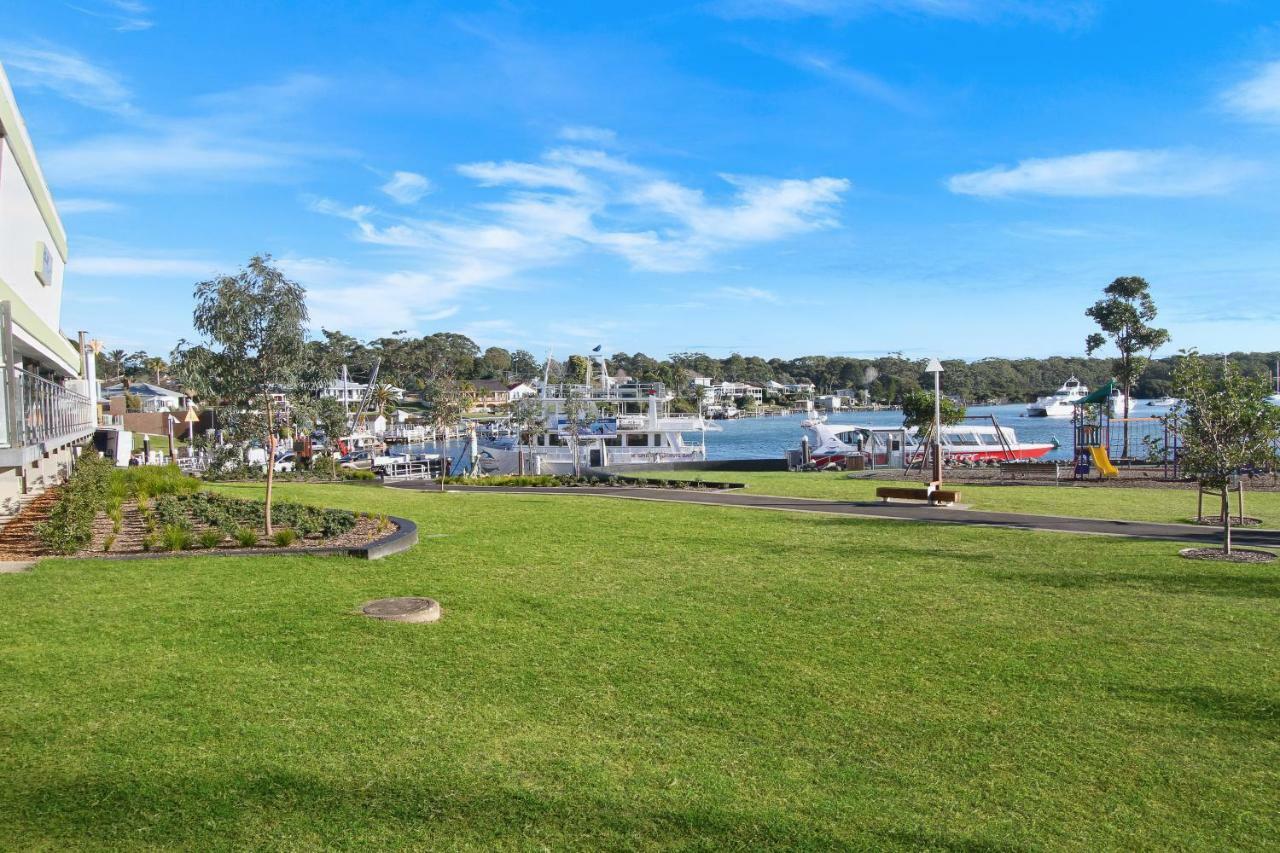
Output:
x,y
1203,536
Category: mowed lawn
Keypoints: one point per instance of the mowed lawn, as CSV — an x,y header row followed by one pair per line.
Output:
x,y
1068,498
642,675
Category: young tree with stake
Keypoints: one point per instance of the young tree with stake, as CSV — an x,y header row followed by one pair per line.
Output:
x,y
254,324
1224,425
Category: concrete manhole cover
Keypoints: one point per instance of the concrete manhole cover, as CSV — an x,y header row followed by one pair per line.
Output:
x,y
403,609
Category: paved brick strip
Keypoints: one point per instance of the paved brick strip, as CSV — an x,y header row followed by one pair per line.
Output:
x,y
1205,536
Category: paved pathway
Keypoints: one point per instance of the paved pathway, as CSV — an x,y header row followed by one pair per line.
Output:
x,y
1205,536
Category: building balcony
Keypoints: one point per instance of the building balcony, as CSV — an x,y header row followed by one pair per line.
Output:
x,y
40,416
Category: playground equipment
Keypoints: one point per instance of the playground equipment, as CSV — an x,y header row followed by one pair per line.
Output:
x,y
1105,442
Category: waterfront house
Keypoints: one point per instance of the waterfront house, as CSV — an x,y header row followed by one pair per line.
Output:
x,y
48,398
153,398
496,394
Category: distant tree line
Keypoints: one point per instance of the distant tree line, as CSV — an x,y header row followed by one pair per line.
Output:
x,y
414,363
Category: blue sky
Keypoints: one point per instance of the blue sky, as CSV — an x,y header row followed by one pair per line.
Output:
x,y
776,177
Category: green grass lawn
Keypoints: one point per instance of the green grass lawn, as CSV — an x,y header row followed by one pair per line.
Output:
x,y
643,675
1173,505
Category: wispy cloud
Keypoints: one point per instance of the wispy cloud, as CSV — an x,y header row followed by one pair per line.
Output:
x,y
124,15
87,205
1056,12
1257,97
570,203
238,135
588,134
747,294
1152,172
862,82
406,187
134,267
68,75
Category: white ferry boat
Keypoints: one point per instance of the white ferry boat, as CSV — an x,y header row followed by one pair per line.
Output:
x,y
631,424
1061,403
894,446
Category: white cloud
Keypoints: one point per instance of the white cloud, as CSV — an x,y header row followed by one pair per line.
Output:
x,y
1258,97
1057,12
532,175
407,187
140,161
87,205
135,267
68,75
1096,174
569,204
124,15
588,134
747,294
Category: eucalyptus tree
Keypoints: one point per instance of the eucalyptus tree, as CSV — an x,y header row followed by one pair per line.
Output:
x,y
447,400
253,354
529,417
1124,315
1224,425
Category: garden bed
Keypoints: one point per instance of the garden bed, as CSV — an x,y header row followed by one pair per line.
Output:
x,y
138,512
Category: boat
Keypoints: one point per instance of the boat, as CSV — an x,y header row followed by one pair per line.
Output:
x,y
1061,403
1164,402
894,446
631,424
1115,403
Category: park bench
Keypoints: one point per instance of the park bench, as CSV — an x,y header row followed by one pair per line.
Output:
x,y
1015,468
899,493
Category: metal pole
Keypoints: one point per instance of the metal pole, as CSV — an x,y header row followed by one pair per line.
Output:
x,y
937,429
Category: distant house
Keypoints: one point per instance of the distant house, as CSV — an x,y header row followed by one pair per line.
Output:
x,y
348,392
730,391
496,393
154,398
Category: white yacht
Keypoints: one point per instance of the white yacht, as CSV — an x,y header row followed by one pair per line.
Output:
x,y
630,423
1116,403
895,446
1165,402
1061,403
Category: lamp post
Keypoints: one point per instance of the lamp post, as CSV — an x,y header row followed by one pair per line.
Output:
x,y
935,367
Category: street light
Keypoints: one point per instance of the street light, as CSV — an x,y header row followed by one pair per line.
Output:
x,y
935,367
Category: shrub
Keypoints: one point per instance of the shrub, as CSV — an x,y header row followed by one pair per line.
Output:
x,y
211,538
284,537
69,527
110,540
175,537
246,537
150,542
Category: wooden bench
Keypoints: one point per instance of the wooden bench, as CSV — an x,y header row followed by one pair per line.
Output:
x,y
1015,468
900,493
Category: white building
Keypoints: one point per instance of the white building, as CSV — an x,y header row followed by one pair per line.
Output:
x,y
730,391
154,398
48,387
348,392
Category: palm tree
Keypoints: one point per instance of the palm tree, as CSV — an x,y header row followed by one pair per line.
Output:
x,y
156,365
115,362
383,397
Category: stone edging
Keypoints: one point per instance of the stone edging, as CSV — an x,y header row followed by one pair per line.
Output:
x,y
404,537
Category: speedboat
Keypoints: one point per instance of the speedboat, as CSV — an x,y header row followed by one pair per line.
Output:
x,y
1061,403
892,446
1164,402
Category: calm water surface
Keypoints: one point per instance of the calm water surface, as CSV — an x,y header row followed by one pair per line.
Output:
x,y
770,438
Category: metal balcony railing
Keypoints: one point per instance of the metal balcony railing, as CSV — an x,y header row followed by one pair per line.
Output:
x,y
38,410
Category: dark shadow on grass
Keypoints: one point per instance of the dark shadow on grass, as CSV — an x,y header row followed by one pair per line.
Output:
x,y
1209,702
1176,583
205,812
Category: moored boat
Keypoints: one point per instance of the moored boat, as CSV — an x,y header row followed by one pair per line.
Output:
x,y
888,446
1061,403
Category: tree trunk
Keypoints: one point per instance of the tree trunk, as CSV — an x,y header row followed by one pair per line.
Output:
x,y
270,460
1125,412
444,457
1226,521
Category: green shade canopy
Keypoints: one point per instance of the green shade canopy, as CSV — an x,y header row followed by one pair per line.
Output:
x,y
1099,396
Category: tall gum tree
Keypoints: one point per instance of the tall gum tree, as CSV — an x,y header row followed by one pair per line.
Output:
x,y
1124,315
